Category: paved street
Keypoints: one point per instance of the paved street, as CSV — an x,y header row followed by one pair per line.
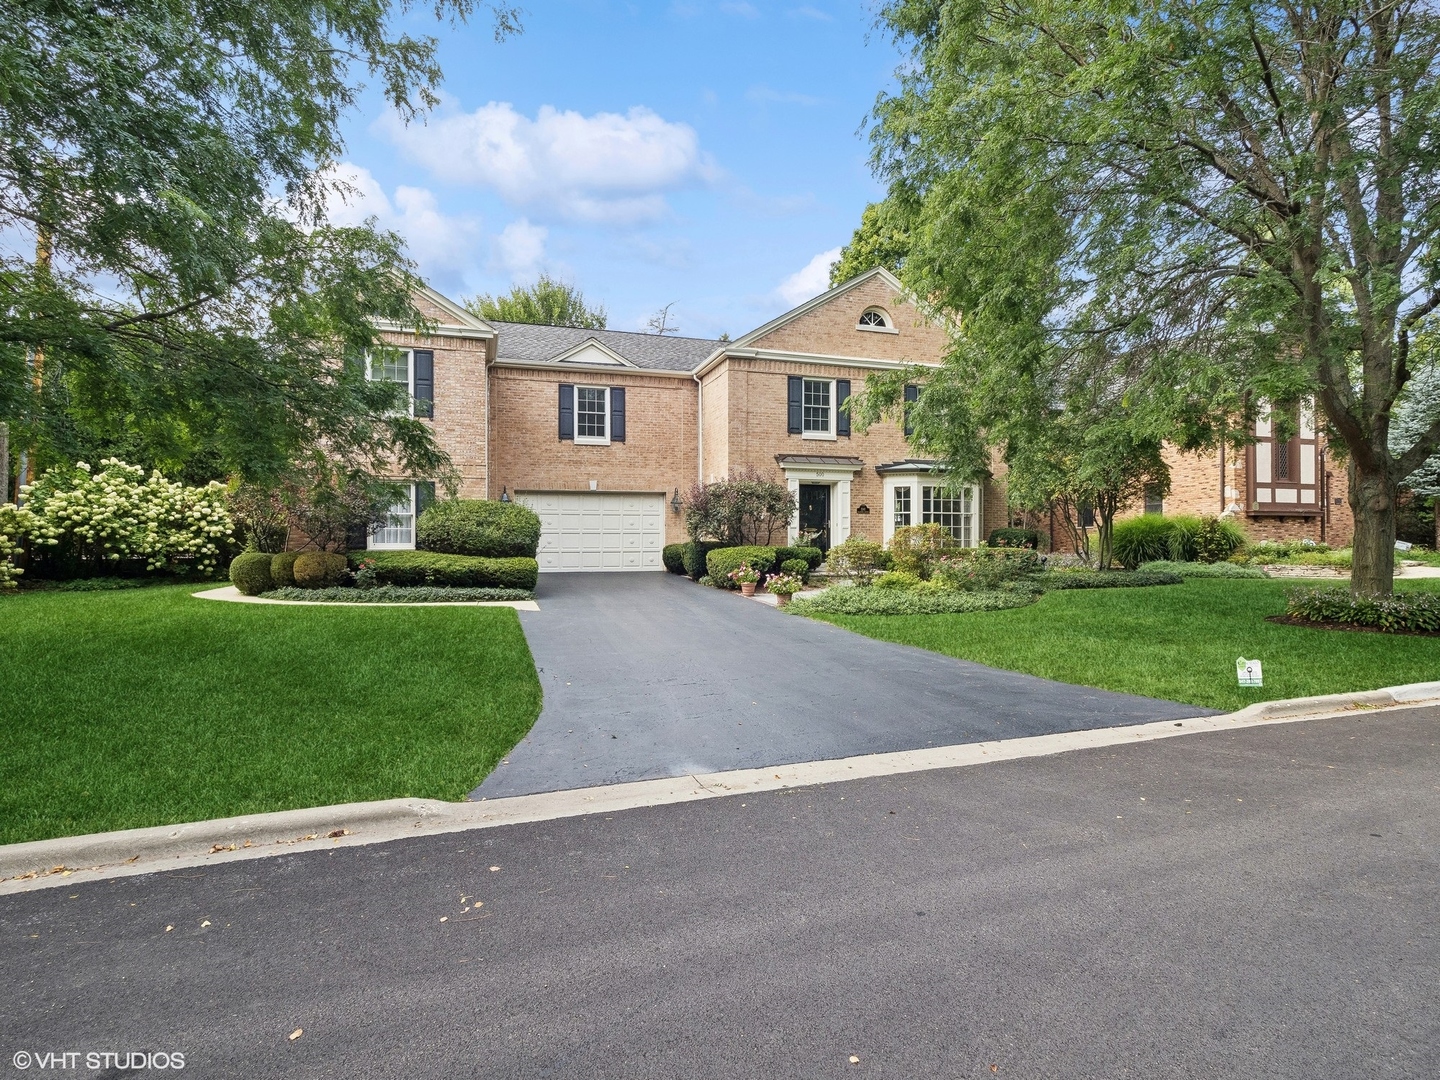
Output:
x,y
1258,903
649,675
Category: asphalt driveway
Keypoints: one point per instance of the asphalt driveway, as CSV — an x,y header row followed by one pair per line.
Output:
x,y
649,675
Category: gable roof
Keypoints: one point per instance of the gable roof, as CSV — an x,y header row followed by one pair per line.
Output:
x,y
462,317
810,305
529,343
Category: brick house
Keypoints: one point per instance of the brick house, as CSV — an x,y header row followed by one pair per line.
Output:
x,y
603,431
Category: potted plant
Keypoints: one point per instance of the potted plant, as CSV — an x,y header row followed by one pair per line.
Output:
x,y
747,577
783,586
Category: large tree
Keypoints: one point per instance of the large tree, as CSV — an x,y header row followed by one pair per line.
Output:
x,y
548,302
1214,206
167,276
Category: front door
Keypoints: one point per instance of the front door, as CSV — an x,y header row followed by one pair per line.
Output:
x,y
815,513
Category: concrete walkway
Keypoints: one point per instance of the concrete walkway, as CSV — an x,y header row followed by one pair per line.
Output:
x,y
649,675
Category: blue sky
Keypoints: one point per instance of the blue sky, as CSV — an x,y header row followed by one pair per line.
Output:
x,y
706,154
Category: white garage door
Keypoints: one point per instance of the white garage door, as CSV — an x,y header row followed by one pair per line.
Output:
x,y
594,530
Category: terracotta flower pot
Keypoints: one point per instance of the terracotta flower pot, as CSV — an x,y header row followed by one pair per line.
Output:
x,y
747,588
781,599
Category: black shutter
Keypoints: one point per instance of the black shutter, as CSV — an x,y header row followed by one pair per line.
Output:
x,y
424,496
797,404
617,414
357,536
842,417
567,411
912,395
424,391
355,362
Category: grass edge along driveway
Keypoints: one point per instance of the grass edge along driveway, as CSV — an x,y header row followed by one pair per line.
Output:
x,y
1177,642
149,706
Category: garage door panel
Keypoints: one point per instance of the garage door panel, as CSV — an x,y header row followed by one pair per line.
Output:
x,y
598,531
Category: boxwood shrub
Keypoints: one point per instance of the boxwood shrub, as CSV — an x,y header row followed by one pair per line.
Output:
x,y
812,556
398,594
250,573
1106,579
414,568
1408,611
721,561
695,554
673,556
319,569
482,527
862,600
799,567
282,568
1021,538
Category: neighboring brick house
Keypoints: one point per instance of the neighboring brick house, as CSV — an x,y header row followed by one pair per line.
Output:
x,y
603,431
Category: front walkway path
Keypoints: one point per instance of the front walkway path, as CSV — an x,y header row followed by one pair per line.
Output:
x,y
648,675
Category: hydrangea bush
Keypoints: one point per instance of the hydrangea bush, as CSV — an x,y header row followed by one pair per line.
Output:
x,y
15,523
119,513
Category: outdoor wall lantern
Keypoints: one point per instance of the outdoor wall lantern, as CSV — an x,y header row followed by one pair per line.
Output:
x,y
675,501
504,494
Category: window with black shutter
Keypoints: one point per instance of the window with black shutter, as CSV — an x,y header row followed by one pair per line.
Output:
x,y
842,414
423,387
912,395
617,414
797,405
567,411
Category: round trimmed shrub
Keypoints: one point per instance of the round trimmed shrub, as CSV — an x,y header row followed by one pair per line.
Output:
x,y
250,573
320,569
721,561
282,569
797,567
673,556
485,527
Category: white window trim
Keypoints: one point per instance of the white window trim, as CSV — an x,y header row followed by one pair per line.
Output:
x,y
888,328
592,440
409,375
372,545
914,482
828,435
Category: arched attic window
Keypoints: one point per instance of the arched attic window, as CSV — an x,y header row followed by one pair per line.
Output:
x,y
874,319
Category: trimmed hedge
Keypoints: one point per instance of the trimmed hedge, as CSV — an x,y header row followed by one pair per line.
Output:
x,y
860,600
673,556
721,561
250,573
319,569
799,567
1203,570
695,554
812,555
415,568
395,594
485,528
1409,611
1022,538
1106,579
282,568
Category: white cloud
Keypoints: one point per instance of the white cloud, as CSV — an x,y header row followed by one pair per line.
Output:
x,y
520,249
607,167
810,280
437,242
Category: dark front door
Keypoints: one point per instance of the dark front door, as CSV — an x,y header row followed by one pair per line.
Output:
x,y
815,513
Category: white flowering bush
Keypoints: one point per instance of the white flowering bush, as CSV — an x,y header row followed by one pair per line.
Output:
x,y
15,523
119,513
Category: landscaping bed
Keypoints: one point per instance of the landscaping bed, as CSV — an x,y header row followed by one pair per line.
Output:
x,y
142,707
398,594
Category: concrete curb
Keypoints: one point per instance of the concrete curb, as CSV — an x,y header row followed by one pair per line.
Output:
x,y
49,863
232,595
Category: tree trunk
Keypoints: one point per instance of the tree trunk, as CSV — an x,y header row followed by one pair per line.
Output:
x,y
1372,501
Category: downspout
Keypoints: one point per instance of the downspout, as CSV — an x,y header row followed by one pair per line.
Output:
x,y
1222,474
699,429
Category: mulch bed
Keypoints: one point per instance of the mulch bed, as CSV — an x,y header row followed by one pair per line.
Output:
x,y
1294,620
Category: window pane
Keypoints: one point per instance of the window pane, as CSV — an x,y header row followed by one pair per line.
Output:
x,y
954,512
590,412
817,405
1154,503
392,367
902,507
400,528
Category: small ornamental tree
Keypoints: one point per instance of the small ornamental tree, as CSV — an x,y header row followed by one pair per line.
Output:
x,y
746,508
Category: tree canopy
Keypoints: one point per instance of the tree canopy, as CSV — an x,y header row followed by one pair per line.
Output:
x,y
548,302
1204,208
167,275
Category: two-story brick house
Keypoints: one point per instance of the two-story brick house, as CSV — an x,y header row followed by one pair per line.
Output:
x,y
603,431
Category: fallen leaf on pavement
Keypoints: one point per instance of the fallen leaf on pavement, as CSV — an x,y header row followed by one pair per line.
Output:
x,y
854,1060
296,1034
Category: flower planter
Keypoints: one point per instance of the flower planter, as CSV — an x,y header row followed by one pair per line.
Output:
x,y
747,588
781,599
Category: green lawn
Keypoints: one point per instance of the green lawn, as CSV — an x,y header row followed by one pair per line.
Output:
x,y
148,706
1176,641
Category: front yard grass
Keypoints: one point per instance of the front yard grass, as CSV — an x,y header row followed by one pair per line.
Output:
x,y
1177,642
148,706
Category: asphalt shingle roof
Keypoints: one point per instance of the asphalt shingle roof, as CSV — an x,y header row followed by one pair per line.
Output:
x,y
524,341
